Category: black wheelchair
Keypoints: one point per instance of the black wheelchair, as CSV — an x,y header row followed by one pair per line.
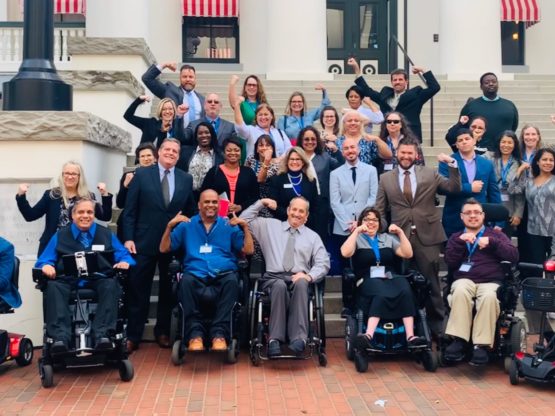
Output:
x,y
238,322
538,294
259,310
390,335
14,346
79,268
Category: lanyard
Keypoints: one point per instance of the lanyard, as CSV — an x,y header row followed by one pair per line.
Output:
x,y
472,248
505,171
375,247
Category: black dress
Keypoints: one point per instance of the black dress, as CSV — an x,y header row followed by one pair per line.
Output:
x,y
382,298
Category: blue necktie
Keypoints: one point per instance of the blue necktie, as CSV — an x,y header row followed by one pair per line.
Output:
x,y
85,239
192,107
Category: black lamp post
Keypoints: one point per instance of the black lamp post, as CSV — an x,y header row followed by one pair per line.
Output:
x,y
37,85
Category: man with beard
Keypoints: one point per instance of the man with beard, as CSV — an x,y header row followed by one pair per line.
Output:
x,y
409,194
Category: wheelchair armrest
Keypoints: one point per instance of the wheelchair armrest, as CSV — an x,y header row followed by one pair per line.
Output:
x,y
39,278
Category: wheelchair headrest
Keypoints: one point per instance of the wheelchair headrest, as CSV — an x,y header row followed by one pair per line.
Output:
x,y
495,212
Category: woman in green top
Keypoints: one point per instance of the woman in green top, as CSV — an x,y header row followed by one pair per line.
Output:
x,y
253,91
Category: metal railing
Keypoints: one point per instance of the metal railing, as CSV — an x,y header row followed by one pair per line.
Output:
x,y
11,40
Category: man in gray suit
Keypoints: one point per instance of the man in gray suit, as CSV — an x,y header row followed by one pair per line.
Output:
x,y
353,187
184,96
212,108
409,193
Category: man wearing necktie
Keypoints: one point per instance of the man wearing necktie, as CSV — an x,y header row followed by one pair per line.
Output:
x,y
408,193
295,257
82,235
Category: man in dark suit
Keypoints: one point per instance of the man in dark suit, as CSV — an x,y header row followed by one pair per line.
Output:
x,y
185,96
409,193
399,97
223,128
157,193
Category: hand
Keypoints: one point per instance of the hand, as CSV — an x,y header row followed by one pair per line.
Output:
x,y
515,221
299,276
234,79
442,157
179,218
332,146
182,109
22,189
417,69
269,203
234,208
394,229
130,245
371,138
483,242
353,226
523,166
320,87
235,220
468,237
121,265
101,186
268,156
553,118
146,98
49,271
477,186
464,119
128,179
498,229
172,66
352,62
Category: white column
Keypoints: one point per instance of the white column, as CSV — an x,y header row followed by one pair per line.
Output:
x,y
118,19
469,38
296,47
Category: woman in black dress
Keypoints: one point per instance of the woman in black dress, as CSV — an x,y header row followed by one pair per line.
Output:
x,y
380,295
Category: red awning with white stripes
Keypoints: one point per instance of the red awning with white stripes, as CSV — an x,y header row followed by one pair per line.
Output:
x,y
520,11
211,8
65,6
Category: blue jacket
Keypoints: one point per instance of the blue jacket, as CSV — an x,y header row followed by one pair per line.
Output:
x,y
485,172
8,290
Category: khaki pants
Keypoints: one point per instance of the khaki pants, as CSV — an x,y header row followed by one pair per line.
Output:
x,y
464,292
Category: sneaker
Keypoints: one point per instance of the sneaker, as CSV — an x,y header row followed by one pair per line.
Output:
x,y
219,344
455,350
274,348
196,344
297,346
415,341
479,355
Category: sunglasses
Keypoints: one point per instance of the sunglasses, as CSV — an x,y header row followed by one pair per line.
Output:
x,y
212,102
392,121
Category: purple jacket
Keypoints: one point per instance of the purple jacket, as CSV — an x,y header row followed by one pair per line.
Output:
x,y
485,262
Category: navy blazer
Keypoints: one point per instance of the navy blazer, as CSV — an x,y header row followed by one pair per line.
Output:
x,y
485,172
226,130
145,216
51,207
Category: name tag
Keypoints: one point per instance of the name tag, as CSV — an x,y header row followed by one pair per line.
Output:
x,y
388,166
97,247
205,249
504,197
465,267
287,185
377,272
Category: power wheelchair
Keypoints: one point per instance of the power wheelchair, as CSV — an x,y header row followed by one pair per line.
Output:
x,y
239,317
390,335
80,267
14,346
259,311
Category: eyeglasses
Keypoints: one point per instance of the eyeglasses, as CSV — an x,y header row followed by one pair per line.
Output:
x,y
296,102
252,85
294,159
469,213
70,174
392,121
329,116
370,220
212,101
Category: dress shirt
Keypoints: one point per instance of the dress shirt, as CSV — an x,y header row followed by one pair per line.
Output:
x,y
412,179
198,106
208,253
252,133
311,256
50,256
171,178
470,166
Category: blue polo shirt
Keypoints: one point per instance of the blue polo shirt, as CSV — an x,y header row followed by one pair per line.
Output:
x,y
208,253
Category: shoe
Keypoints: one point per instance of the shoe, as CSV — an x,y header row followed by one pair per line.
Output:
x,y
274,348
196,344
131,346
163,341
103,343
297,346
219,344
363,342
479,356
455,350
415,341
59,347
345,312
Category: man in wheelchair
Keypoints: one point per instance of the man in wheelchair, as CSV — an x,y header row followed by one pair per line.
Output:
x,y
295,257
83,235
475,255
9,295
210,245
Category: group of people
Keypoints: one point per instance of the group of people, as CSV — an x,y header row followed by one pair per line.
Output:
x,y
205,186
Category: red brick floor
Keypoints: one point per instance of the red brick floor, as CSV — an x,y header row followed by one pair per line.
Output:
x,y
204,385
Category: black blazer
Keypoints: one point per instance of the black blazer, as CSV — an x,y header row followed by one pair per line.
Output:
x,y
226,130
246,192
410,103
282,192
323,164
145,217
51,207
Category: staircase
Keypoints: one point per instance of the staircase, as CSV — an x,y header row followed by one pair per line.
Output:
x,y
534,97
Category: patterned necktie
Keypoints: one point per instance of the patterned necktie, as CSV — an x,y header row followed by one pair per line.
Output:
x,y
289,253
166,188
85,239
354,174
407,189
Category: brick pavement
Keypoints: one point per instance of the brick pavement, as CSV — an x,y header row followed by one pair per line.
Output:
x,y
205,385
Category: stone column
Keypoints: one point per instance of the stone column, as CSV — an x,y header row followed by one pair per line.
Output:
x,y
469,38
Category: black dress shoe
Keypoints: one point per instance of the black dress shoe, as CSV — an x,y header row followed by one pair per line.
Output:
x,y
479,356
163,341
455,350
59,347
131,346
103,344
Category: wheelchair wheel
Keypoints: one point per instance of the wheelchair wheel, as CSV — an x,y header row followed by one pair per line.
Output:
x,y
46,375
177,357
322,359
350,331
25,353
174,325
507,361
430,361
126,371
254,355
518,337
513,373
361,361
232,352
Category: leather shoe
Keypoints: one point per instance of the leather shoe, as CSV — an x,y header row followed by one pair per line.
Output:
x,y
479,356
196,344
163,341
59,347
219,344
131,346
103,344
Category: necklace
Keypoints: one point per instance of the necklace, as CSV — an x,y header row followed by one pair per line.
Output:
x,y
299,179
